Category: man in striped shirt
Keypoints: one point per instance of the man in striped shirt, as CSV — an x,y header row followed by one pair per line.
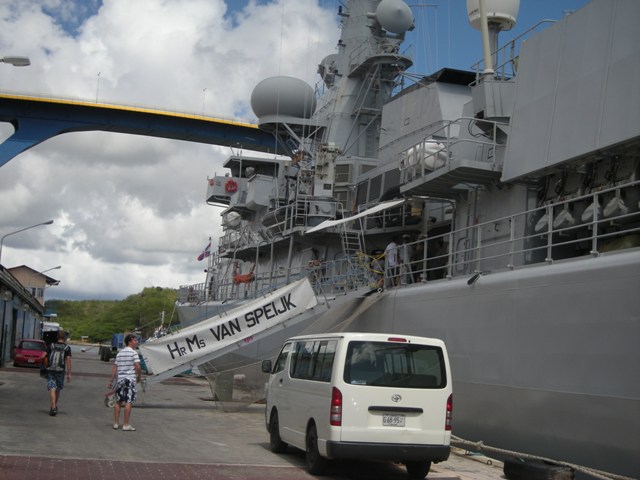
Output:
x,y
128,371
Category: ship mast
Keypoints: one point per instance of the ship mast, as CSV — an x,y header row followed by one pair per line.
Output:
x,y
359,79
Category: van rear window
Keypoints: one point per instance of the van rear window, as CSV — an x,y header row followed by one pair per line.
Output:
x,y
386,364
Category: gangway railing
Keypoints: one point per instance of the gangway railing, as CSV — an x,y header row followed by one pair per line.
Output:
x,y
223,333
328,278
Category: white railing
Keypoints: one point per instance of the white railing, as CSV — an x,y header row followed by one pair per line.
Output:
x,y
435,150
505,59
594,223
585,225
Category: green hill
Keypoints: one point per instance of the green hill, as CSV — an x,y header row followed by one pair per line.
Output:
x,y
99,319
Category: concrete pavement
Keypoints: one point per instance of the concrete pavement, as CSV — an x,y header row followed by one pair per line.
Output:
x,y
181,433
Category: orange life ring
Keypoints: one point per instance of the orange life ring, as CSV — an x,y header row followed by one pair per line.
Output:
x,y
243,278
231,185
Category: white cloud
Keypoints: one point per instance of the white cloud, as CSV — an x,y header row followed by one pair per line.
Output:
x,y
129,211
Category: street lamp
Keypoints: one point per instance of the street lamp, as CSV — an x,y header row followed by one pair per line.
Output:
x,y
18,231
52,268
16,61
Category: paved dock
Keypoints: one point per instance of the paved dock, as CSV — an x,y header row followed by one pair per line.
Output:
x,y
181,433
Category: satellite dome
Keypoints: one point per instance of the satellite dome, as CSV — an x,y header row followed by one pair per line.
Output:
x,y
501,12
395,16
286,96
329,61
327,69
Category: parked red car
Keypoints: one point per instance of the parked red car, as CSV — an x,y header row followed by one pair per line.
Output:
x,y
30,353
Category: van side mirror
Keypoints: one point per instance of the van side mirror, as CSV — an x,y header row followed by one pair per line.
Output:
x,y
266,366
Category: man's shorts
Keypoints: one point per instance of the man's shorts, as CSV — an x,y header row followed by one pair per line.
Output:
x,y
126,391
55,380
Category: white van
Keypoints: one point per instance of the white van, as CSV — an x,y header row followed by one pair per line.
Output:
x,y
365,396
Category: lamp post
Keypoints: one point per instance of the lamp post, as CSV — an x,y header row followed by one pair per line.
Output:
x,y
57,282
52,268
18,231
16,61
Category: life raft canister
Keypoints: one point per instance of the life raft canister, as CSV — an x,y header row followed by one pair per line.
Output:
x,y
231,185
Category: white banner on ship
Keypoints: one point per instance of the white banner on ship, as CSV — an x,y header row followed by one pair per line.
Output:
x,y
236,326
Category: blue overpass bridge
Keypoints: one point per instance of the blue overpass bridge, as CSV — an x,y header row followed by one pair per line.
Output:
x,y
36,119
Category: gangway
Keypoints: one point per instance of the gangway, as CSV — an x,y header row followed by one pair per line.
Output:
x,y
221,334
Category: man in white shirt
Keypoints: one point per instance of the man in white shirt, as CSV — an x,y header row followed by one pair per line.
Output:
x,y
128,372
391,263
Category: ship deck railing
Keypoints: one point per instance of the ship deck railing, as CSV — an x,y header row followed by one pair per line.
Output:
x,y
296,215
328,279
563,230
438,151
505,58
568,229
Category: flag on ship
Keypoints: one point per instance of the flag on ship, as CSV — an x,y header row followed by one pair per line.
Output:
x,y
205,253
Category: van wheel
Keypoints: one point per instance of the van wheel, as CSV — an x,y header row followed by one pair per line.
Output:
x,y
316,465
275,442
418,470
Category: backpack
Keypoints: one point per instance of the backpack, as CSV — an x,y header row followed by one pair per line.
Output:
x,y
57,357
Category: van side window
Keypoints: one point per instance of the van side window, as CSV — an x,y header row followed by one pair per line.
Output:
x,y
387,364
313,360
323,360
282,358
301,360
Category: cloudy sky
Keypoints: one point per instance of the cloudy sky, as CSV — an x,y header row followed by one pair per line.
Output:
x,y
129,211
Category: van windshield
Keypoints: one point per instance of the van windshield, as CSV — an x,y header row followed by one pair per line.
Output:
x,y
400,365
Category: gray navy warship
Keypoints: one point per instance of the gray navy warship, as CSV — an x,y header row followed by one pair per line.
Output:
x,y
507,199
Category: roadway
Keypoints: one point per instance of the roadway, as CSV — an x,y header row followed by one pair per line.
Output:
x,y
37,119
181,433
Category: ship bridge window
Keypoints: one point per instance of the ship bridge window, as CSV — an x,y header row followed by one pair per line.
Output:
x,y
342,197
366,168
374,188
391,179
361,193
343,173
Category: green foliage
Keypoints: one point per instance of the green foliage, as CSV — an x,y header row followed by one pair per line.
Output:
x,y
99,319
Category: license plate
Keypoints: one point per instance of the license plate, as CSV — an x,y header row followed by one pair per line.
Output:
x,y
393,420
30,360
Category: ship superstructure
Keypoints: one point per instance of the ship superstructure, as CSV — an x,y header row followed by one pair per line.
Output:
x,y
515,191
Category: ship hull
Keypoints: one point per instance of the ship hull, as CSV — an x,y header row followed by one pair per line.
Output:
x,y
544,359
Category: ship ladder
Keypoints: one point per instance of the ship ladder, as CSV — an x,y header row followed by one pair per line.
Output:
x,y
354,248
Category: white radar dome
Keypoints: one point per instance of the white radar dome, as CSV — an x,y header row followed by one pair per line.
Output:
x,y
502,12
395,16
286,96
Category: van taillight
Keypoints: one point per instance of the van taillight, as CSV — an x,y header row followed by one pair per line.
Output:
x,y
397,339
335,417
447,423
